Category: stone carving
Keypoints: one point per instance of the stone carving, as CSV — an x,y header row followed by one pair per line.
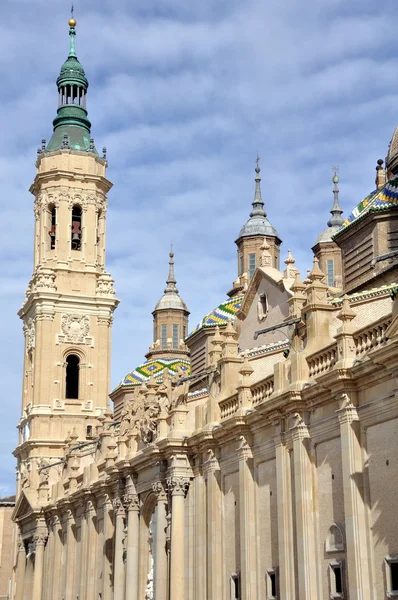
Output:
x,y
30,336
40,539
140,416
177,486
105,285
43,280
131,501
262,306
118,505
25,475
76,327
44,473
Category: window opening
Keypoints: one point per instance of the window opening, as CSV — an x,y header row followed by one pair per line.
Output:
x,y
252,264
175,336
155,331
76,238
89,431
241,266
330,272
53,226
164,336
336,579
72,376
235,586
272,584
392,576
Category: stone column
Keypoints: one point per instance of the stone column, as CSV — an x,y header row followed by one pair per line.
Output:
x,y
132,506
91,560
212,474
285,521
178,487
200,532
70,556
118,564
40,541
307,551
56,563
160,550
247,522
82,584
21,565
107,551
358,567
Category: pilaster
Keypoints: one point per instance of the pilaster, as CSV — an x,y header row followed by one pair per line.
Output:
x,y
160,551
247,519
132,508
285,512
212,475
119,575
357,533
307,555
177,487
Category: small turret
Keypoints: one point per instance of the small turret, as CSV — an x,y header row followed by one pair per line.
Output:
x,y
251,236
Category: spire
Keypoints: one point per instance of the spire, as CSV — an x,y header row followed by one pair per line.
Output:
x,y
72,34
71,116
171,280
258,204
336,219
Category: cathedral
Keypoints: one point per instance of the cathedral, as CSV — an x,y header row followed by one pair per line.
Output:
x,y
252,456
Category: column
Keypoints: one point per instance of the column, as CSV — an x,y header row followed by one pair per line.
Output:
x,y
358,567
109,531
212,474
40,541
160,549
132,507
91,579
200,542
57,551
305,524
81,585
118,565
21,565
70,556
177,486
247,521
285,521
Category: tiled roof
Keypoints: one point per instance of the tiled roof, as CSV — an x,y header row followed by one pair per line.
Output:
x,y
155,368
371,293
384,198
221,315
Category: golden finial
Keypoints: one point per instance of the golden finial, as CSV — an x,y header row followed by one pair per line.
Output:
x,y
72,20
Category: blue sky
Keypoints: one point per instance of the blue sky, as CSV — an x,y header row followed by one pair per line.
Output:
x,y
183,94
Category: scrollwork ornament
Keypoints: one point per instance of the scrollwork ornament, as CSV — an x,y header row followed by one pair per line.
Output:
x,y
131,501
178,486
118,505
40,539
30,336
158,488
75,327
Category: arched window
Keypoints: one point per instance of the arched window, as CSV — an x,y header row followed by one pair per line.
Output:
x,y
52,225
72,376
76,235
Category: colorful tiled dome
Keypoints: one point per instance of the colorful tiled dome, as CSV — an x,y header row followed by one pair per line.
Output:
x,y
221,315
382,199
155,368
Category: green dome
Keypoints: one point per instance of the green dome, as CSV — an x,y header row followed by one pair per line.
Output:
x,y
71,125
72,73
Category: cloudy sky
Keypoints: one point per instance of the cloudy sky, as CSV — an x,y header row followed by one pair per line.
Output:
x,y
183,94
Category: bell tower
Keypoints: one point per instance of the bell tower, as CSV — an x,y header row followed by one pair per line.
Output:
x,y
68,310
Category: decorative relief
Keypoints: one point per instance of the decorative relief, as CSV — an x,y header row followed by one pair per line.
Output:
x,y
75,327
131,501
159,489
118,506
40,539
105,285
30,332
43,280
178,486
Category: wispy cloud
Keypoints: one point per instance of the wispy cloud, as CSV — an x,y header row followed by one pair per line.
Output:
x,y
183,95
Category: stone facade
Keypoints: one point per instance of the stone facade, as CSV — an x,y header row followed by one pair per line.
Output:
x,y
267,472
